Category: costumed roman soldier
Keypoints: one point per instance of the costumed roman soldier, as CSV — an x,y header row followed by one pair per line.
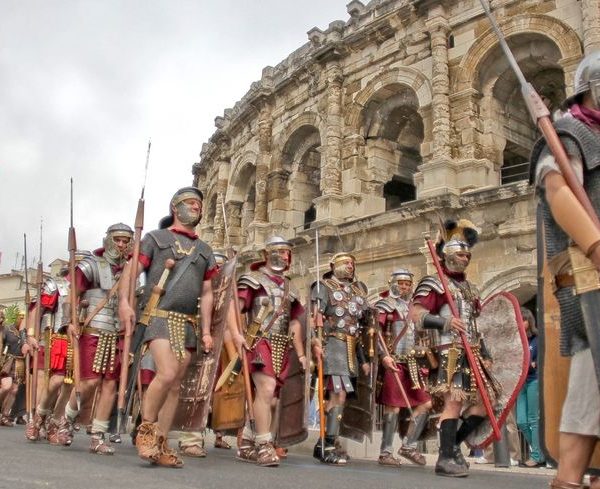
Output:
x,y
12,366
404,361
53,349
454,381
572,246
342,301
177,309
96,280
273,308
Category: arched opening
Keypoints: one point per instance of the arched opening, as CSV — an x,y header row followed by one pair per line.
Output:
x,y
510,132
394,132
241,201
301,157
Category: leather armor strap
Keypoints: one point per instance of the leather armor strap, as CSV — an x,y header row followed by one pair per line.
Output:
x,y
339,336
399,337
164,314
278,312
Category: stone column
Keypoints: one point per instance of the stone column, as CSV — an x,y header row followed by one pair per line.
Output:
x,y
331,175
263,162
591,25
438,30
219,238
233,210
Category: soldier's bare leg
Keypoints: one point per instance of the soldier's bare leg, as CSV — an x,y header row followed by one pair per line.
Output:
x,y
64,430
47,400
574,455
263,401
104,406
167,412
160,403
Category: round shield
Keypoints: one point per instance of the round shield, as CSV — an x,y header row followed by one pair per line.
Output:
x,y
338,296
339,311
501,325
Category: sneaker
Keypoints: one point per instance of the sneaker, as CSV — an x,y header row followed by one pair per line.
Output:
x,y
114,438
514,463
482,461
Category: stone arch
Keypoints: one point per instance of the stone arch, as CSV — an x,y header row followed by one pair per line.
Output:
x,y
409,77
248,157
305,119
393,129
300,160
507,132
521,281
565,38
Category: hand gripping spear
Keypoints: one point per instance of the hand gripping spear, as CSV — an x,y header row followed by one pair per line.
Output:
x,y
541,117
139,225
36,325
73,299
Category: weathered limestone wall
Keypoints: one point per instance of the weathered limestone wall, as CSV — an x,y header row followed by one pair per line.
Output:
x,y
381,123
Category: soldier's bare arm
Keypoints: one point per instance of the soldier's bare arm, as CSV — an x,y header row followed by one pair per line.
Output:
x,y
206,306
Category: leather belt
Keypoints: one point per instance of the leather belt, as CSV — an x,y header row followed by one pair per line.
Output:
x,y
163,314
339,336
563,280
96,331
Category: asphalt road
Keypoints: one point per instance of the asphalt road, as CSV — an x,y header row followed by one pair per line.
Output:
x,y
26,465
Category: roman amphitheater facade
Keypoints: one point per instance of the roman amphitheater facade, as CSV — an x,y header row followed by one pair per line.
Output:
x,y
381,123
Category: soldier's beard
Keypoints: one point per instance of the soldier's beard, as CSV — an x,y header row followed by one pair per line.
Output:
x,y
455,266
186,215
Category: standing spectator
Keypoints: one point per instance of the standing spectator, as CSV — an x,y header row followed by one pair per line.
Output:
x,y
528,414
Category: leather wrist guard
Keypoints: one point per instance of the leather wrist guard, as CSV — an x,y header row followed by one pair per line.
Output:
x,y
433,321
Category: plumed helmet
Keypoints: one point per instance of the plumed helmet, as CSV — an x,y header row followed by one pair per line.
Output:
x,y
401,274
456,235
179,196
587,79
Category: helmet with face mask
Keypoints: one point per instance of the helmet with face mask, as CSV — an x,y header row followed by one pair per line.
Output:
x,y
456,237
587,79
401,274
111,252
342,266
178,206
273,256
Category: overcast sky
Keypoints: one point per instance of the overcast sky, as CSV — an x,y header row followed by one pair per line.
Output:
x,y
85,84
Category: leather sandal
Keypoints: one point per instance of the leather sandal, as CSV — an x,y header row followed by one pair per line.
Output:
x,y
266,455
247,451
148,441
100,446
389,460
168,457
195,451
413,455
220,443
